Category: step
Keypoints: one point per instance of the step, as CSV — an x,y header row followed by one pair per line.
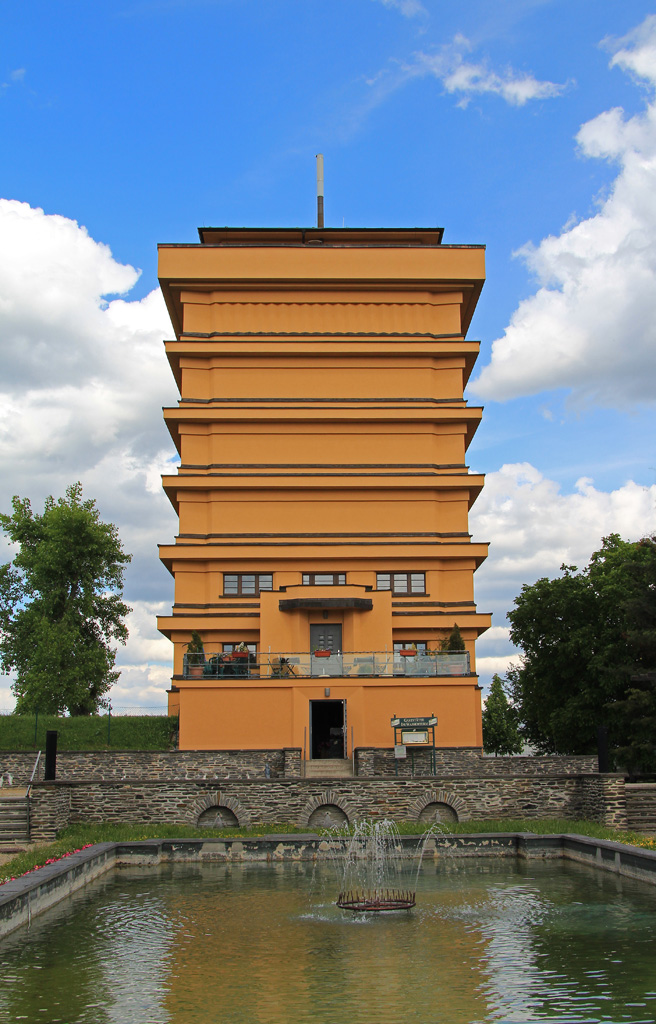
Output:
x,y
14,821
329,768
7,819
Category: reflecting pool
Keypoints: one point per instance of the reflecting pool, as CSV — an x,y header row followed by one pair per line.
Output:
x,y
490,940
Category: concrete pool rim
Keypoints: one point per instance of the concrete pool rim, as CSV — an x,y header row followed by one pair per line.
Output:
x,y
32,894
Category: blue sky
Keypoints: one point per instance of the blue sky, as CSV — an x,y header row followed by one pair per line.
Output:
x,y
527,125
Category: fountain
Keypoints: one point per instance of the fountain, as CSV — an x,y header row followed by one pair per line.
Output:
x,y
372,863
376,900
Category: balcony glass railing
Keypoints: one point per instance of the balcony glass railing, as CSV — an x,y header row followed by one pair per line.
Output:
x,y
307,665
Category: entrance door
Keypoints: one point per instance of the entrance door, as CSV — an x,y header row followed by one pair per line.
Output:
x,y
327,728
326,636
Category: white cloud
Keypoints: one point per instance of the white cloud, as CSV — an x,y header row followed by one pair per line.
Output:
x,y
533,529
15,77
591,326
408,8
82,377
83,383
467,78
145,662
460,77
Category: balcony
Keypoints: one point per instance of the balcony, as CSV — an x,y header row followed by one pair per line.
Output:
x,y
288,665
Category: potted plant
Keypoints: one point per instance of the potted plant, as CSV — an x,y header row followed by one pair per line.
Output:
x,y
241,651
195,654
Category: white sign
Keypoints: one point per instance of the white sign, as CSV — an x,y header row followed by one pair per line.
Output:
x,y
415,736
399,750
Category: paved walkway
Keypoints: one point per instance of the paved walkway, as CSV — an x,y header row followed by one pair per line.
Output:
x,y
11,850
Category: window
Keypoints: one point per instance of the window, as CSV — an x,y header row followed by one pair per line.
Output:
x,y
229,648
324,579
246,584
402,582
406,645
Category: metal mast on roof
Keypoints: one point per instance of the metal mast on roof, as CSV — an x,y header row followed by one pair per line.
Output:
x,y
319,190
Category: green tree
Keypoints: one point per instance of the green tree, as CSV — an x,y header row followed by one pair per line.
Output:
x,y
61,605
500,722
584,636
634,712
453,642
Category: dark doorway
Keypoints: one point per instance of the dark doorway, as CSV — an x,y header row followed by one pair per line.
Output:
x,y
326,636
326,728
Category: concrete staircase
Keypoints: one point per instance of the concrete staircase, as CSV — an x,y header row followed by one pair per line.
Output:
x,y
329,768
14,816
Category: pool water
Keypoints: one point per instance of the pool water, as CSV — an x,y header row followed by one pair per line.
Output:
x,y
489,940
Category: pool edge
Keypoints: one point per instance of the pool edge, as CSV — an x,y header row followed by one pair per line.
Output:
x,y
29,895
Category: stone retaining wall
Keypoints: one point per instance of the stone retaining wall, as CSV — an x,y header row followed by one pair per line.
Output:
x,y
49,810
157,764
287,763
376,761
182,801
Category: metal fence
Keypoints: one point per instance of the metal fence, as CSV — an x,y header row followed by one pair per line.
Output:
x,y
135,711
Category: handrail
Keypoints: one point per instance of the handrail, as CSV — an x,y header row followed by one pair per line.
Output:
x,y
36,765
27,795
307,664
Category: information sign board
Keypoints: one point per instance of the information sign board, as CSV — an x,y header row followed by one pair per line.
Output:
x,y
413,723
414,735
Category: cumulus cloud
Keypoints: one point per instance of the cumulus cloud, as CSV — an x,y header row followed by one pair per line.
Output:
x,y
83,383
533,529
468,78
145,663
591,326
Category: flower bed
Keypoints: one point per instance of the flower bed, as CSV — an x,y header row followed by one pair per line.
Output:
x,y
50,860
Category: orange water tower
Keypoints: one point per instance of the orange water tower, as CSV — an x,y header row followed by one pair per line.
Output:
x,y
323,554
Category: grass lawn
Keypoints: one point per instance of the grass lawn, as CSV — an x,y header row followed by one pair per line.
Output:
x,y
74,837
89,732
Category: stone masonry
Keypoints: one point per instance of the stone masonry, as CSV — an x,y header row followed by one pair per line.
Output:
x,y
381,761
182,801
286,763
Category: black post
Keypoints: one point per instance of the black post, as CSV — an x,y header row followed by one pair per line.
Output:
x,y
51,755
603,756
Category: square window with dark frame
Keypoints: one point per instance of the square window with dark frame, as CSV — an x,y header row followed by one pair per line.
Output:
x,y
402,583
246,584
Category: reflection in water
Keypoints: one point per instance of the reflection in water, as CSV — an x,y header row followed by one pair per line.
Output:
x,y
489,940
